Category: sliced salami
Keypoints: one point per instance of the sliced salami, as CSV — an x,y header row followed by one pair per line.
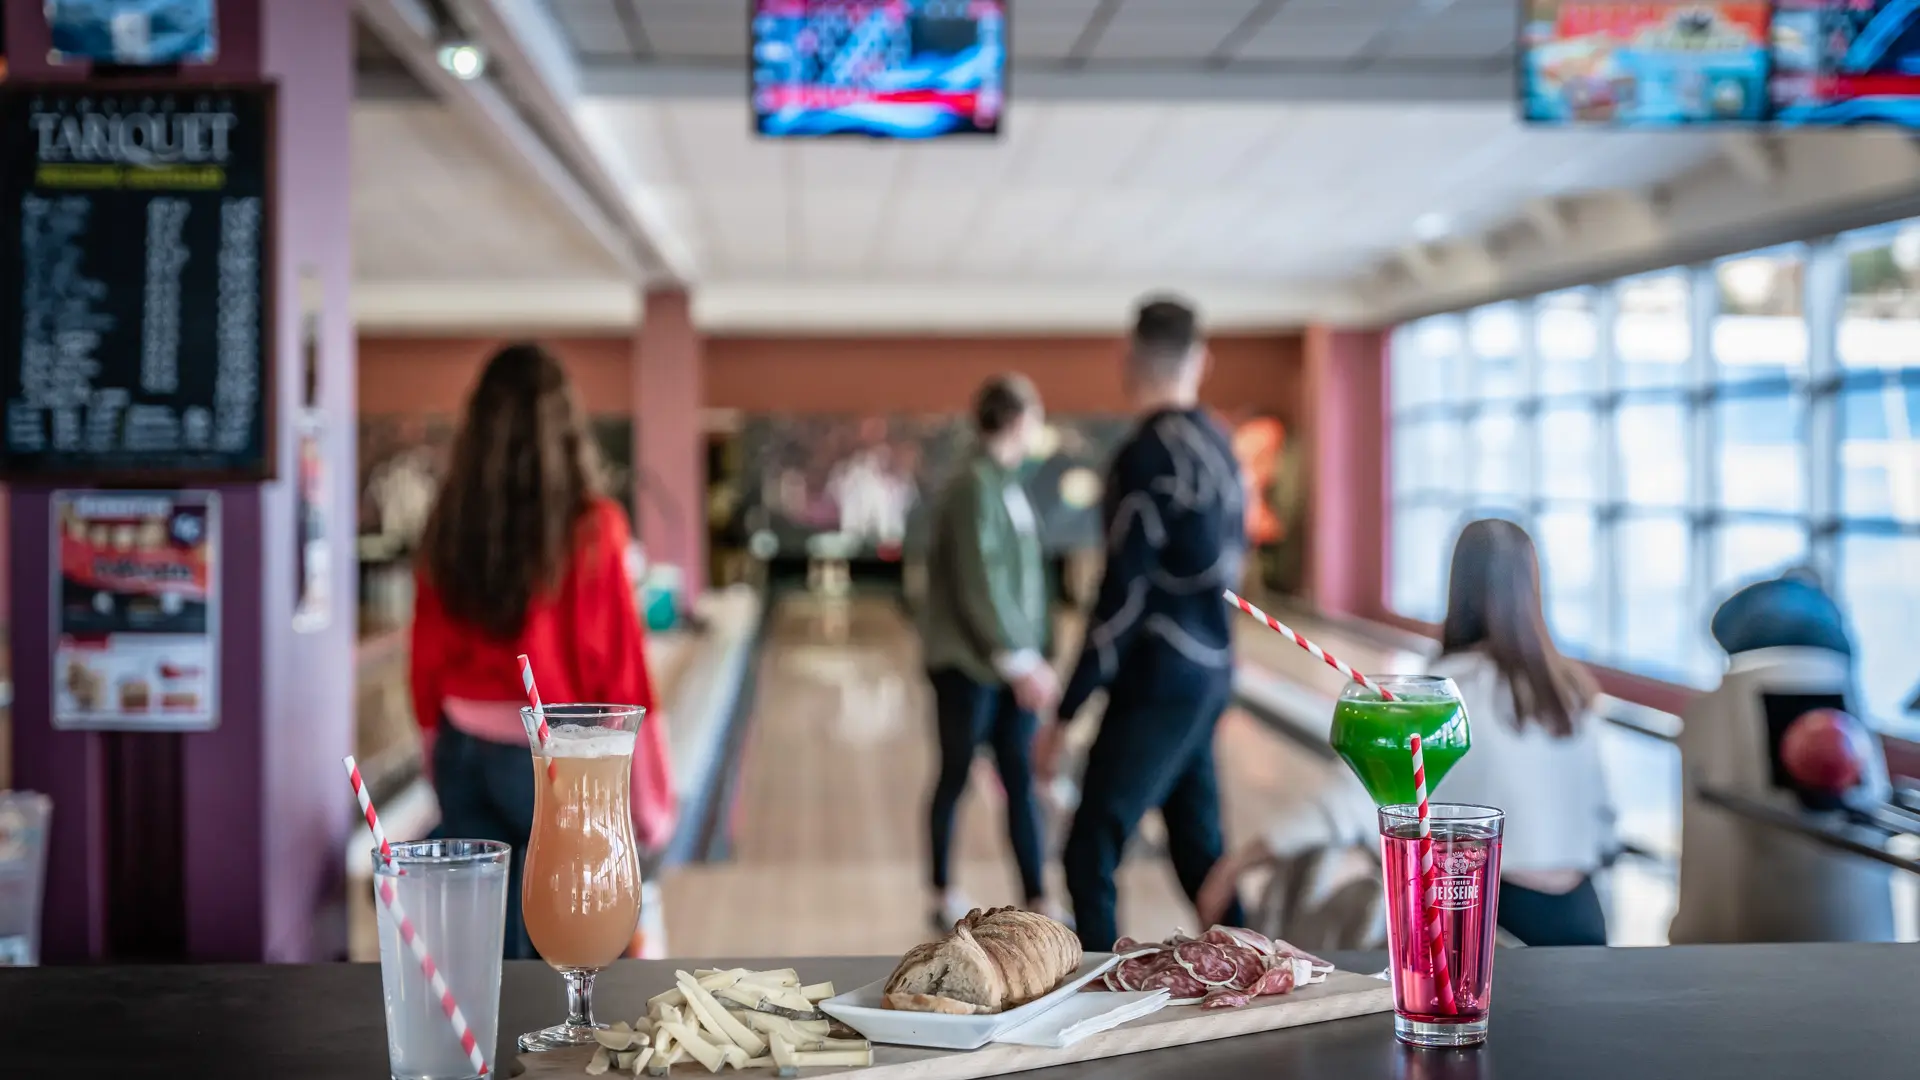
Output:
x,y
1224,998
1240,935
1248,967
1277,980
1282,948
1127,945
1175,980
1131,973
1209,964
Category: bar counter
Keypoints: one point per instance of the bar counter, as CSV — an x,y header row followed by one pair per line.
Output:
x,y
1749,1012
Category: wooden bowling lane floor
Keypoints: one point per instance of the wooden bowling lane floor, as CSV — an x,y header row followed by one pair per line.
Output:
x,y
829,826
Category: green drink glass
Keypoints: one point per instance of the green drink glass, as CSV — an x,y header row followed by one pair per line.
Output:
x,y
1374,736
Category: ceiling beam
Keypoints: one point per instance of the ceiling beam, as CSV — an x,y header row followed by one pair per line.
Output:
x,y
407,28
534,49
1550,219
1755,156
1158,83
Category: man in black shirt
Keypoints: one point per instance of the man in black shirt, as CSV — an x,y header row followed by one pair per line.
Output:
x,y
1158,637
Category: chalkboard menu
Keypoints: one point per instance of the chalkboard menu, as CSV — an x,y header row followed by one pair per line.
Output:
x,y
136,343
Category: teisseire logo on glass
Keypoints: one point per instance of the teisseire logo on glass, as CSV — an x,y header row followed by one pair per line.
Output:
x,y
1455,893
135,138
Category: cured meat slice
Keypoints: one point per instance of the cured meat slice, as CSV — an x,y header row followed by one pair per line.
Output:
x,y
1224,998
1248,967
1279,979
1127,945
1174,979
1240,935
1131,973
1209,964
1282,948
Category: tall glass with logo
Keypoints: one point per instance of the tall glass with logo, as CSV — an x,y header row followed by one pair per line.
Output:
x,y
581,889
1441,935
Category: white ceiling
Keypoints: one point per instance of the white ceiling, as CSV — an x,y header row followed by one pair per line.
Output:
x,y
1221,31
431,203
1076,191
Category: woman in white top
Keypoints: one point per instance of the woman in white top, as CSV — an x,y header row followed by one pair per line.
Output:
x,y
1535,752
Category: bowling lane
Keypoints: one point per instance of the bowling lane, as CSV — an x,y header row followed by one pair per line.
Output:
x,y
828,827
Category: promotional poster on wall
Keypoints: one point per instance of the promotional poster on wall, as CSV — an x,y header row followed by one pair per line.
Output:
x,y
136,610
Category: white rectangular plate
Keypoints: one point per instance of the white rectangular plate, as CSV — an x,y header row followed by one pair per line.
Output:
x,y
863,1011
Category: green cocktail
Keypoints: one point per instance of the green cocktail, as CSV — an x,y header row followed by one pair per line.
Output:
x,y
1375,736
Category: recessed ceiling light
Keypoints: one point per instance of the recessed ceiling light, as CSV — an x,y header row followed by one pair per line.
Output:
x,y
463,60
1432,226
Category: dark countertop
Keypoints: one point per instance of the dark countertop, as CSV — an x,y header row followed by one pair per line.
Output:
x,y
1750,1012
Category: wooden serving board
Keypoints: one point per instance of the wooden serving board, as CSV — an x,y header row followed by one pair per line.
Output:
x,y
1343,995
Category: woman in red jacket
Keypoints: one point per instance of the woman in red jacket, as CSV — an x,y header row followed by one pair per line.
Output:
x,y
521,555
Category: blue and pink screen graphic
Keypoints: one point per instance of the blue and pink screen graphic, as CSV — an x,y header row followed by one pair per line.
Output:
x,y
900,69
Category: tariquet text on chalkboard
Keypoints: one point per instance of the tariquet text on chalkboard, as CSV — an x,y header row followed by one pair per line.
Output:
x,y
135,283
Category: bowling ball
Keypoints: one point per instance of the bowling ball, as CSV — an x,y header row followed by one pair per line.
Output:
x,y
1825,751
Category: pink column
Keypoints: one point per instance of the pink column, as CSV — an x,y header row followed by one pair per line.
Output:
x,y
1346,418
669,458
225,845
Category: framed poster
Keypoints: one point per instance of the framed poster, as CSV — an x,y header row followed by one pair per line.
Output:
x,y
136,613
136,274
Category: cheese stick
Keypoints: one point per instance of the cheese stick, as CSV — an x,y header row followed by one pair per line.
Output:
x,y
794,1030
838,1059
641,1059
817,992
721,1021
779,978
719,980
663,1053
703,1051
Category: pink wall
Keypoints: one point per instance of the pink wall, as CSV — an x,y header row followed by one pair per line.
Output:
x,y
670,468
433,375
1346,428
239,824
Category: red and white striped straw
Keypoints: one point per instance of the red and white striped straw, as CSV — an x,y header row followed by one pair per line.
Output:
x,y
539,713
1435,931
411,934
1236,600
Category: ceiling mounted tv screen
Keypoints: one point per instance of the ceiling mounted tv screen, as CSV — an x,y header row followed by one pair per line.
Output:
x,y
1838,62
1645,64
885,69
1633,63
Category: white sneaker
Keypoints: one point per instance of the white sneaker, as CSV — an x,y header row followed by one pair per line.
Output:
x,y
953,907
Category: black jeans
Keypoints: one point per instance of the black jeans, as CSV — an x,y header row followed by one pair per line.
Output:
x,y
1537,918
969,714
486,793
1148,754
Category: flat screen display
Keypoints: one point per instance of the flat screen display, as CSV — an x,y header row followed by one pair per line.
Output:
x,y
1645,64
1847,62
1678,62
887,69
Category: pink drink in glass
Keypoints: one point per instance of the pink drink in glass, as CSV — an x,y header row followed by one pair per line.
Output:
x,y
1466,860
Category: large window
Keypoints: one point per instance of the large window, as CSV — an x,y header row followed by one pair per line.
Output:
x,y
1671,437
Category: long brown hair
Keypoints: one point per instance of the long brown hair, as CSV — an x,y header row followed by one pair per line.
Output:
x,y
523,472
1493,606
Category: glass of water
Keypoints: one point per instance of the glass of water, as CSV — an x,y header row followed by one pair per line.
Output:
x,y
454,893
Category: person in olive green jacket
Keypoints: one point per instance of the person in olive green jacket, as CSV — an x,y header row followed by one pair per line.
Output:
x,y
985,634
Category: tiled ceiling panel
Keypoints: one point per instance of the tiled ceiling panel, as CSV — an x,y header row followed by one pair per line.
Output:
x,y
431,203
1077,192
627,32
